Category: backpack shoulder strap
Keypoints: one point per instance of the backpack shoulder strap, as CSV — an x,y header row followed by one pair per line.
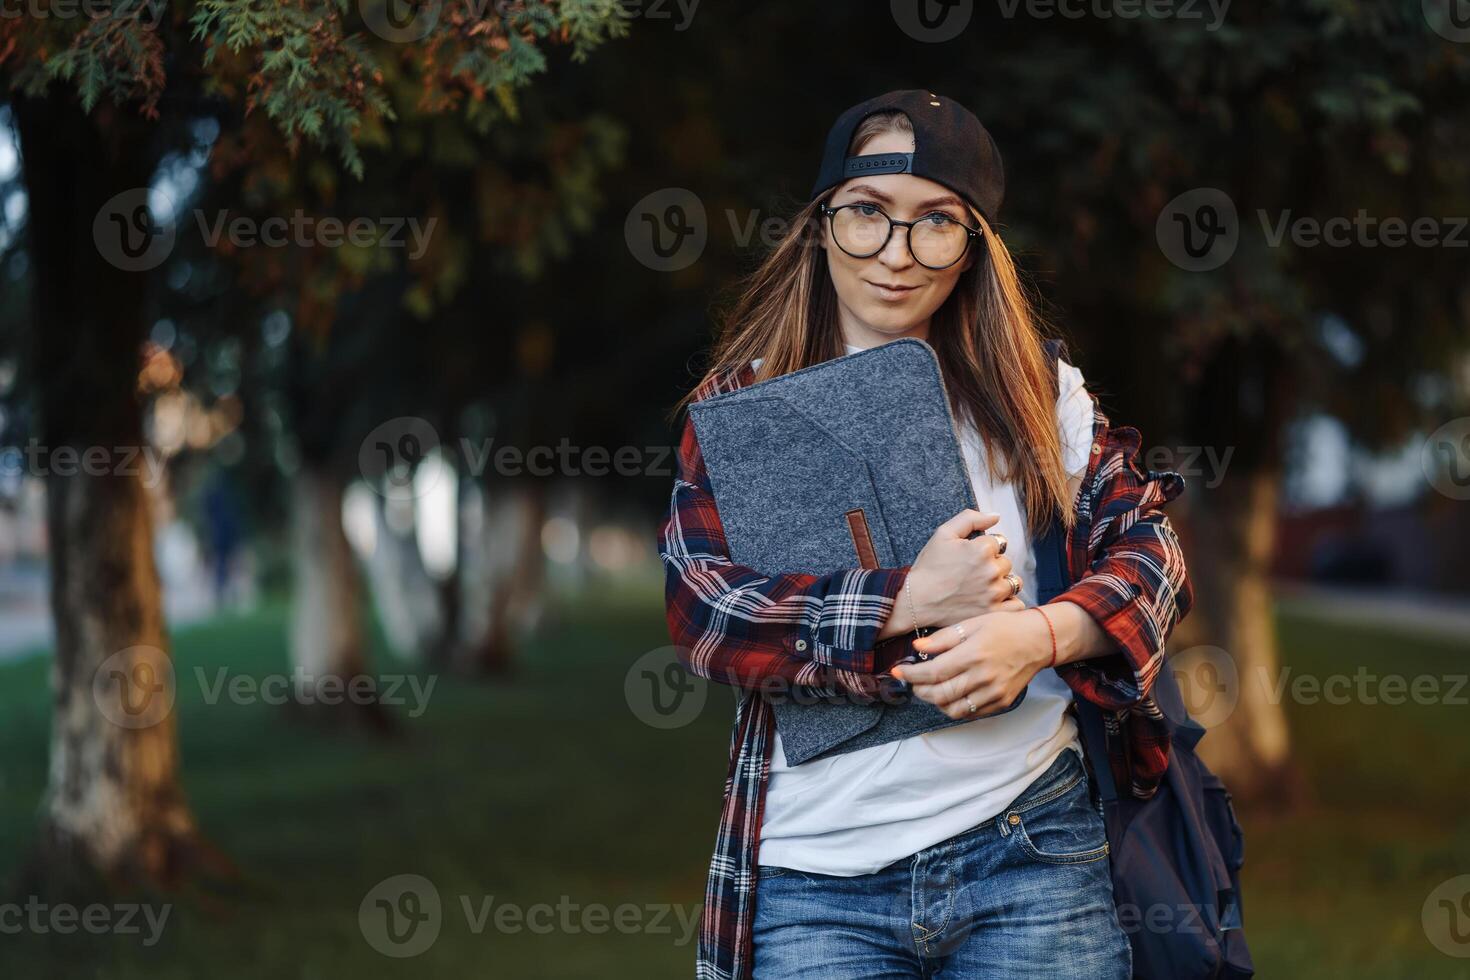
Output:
x,y
1051,581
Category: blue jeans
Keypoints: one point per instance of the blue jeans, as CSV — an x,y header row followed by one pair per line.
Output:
x,y
1028,893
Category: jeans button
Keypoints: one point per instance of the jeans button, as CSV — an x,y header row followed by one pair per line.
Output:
x,y
1013,819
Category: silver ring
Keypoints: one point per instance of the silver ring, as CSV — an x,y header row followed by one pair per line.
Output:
x,y
973,709
1000,547
962,631
1015,581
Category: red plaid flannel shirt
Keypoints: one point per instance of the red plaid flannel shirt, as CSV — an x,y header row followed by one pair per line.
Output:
x,y
739,626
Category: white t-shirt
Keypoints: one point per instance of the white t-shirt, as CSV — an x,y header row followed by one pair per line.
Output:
x,y
856,812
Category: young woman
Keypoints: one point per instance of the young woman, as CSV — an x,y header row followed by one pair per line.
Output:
x,y
974,850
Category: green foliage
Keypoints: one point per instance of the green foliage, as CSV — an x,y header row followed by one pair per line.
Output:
x,y
311,79
304,63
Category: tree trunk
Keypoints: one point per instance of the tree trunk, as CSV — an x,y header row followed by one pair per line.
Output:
x,y
514,518
327,638
1225,654
114,813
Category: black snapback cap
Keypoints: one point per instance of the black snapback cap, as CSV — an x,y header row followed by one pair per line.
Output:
x,y
950,148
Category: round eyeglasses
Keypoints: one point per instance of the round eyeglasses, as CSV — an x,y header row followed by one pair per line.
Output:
x,y
936,241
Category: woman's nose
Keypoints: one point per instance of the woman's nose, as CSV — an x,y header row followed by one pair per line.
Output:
x,y
896,254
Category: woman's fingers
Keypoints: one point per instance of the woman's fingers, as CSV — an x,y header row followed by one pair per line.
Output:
x,y
941,640
933,671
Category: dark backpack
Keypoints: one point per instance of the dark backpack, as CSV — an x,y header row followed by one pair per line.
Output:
x,y
1176,857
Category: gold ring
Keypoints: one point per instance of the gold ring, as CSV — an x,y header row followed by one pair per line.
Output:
x,y
973,709
1015,581
1001,543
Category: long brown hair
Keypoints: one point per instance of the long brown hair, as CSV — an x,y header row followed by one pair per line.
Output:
x,y
988,337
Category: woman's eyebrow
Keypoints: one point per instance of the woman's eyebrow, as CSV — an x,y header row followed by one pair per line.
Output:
x,y
947,200
940,202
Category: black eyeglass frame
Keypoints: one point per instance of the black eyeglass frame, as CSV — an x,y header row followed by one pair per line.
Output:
x,y
971,233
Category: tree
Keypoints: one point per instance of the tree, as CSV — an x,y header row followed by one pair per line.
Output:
x,y
99,104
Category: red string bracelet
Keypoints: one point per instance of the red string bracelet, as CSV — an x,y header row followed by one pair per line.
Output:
x,y
1053,636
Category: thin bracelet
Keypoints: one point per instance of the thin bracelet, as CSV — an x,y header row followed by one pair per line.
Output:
x,y
914,613
1053,636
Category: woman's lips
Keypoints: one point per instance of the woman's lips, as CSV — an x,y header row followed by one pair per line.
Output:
x,y
890,291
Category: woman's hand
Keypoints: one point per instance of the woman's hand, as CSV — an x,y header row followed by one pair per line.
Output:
x,y
990,658
955,577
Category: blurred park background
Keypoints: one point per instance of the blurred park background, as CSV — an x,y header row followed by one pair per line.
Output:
x,y
336,346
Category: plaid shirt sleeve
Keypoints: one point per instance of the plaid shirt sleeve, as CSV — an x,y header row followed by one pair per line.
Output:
x,y
748,628
1135,586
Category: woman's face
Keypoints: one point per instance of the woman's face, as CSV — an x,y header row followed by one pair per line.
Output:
x,y
889,295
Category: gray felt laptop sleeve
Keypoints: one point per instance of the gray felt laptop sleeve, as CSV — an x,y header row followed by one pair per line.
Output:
x,y
850,463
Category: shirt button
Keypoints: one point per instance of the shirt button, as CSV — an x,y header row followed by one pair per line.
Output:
x,y
801,644
1096,448
1013,819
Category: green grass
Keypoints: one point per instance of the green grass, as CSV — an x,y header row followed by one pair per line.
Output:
x,y
549,790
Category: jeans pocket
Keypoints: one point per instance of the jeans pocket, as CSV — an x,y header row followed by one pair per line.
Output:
x,y
1066,829
764,871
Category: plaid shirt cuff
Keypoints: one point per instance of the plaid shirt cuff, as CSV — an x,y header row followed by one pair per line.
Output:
x,y
850,646
1117,682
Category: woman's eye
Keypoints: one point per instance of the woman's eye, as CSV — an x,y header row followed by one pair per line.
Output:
x,y
867,210
937,218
